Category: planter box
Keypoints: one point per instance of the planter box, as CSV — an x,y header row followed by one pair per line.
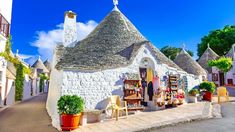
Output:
x,y
192,99
91,116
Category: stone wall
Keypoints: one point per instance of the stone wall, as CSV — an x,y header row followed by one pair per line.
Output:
x,y
27,88
10,92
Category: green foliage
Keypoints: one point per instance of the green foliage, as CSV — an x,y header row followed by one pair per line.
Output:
x,y
193,92
43,78
223,63
171,52
207,86
19,82
70,104
21,70
8,45
220,41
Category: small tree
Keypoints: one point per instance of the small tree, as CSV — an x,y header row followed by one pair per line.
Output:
x,y
224,64
43,78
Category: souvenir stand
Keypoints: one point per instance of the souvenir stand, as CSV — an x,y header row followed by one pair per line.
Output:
x,y
132,94
172,91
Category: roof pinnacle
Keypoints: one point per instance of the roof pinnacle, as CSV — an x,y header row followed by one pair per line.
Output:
x,y
115,3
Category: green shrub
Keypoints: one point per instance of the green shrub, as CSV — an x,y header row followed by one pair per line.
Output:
x,y
207,86
70,104
193,92
19,82
43,78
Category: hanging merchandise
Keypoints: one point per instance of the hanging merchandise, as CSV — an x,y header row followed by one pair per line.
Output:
x,y
156,84
150,90
149,75
143,85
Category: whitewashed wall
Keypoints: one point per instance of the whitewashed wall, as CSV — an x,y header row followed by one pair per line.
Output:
x,y
27,88
10,92
96,87
2,79
6,9
229,75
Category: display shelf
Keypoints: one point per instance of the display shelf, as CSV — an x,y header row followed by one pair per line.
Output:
x,y
132,95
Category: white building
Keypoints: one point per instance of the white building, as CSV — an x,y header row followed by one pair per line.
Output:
x,y
5,21
95,67
214,74
230,76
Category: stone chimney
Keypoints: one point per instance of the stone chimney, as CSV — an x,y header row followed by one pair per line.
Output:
x,y
70,28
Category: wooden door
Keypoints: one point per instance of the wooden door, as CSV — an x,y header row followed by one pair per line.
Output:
x,y
221,79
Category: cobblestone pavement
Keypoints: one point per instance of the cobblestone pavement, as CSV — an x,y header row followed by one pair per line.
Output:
x,y
28,116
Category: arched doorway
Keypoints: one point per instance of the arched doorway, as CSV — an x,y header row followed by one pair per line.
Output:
x,y
147,72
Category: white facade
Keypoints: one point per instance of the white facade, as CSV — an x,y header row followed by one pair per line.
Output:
x,y
96,87
27,88
10,100
5,11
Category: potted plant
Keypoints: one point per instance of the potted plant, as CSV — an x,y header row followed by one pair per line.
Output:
x,y
208,88
70,108
192,98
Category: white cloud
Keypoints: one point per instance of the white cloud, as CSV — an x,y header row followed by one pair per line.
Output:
x,y
24,56
47,40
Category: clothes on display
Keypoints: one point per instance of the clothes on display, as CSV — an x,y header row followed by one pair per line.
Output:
x,y
149,75
150,91
144,85
156,84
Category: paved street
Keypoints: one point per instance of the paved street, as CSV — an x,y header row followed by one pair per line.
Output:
x,y
28,116
226,124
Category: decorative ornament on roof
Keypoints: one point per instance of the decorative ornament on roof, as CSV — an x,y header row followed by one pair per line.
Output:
x,y
208,45
183,48
115,2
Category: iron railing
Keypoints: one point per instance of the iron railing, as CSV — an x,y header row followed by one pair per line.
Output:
x,y
4,26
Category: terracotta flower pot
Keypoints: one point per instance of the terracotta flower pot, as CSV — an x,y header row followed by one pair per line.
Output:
x,y
70,122
207,96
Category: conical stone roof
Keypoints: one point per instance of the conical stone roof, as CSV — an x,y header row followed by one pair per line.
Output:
x,y
47,64
186,62
209,54
113,43
39,65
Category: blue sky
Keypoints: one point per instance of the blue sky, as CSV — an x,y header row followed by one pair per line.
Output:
x,y
163,22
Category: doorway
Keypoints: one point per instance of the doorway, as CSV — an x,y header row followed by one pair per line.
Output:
x,y
221,78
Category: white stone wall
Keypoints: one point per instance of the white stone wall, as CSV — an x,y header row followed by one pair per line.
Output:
x,y
27,88
6,9
54,92
229,75
70,30
3,64
10,92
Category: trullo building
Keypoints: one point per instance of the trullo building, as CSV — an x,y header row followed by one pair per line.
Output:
x,y
95,67
186,62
